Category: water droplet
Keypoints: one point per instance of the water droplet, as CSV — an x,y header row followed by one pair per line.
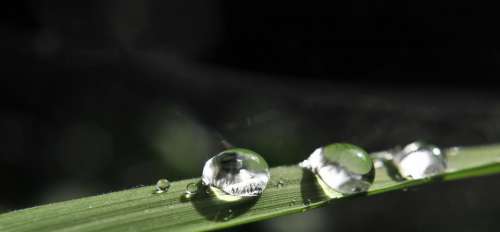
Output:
x,y
236,172
191,188
307,202
420,160
345,168
162,185
292,203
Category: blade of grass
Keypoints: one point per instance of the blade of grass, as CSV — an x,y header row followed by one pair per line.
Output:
x,y
291,190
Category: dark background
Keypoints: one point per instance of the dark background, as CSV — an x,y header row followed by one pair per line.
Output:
x,y
99,96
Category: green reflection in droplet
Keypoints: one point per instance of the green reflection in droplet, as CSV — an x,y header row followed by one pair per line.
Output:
x,y
349,156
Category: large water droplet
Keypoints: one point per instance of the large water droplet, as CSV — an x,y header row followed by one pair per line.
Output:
x,y
345,168
236,172
419,160
162,185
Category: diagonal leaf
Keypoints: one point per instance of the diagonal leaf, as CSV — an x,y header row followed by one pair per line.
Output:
x,y
291,190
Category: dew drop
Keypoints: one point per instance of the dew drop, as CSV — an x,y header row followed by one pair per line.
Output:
x,y
191,188
345,168
419,160
162,185
236,172
307,202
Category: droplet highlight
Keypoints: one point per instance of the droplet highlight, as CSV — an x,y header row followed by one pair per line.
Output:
x,y
162,185
236,172
420,160
344,168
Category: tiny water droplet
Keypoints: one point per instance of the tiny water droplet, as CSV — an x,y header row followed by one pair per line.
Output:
x,y
307,202
345,168
162,185
419,160
191,188
236,172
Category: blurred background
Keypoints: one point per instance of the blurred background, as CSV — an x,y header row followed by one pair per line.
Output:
x,y
100,96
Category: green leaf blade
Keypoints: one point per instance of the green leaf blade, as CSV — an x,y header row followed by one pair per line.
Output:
x,y
298,190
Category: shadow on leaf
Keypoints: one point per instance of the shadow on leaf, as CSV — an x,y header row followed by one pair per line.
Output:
x,y
215,209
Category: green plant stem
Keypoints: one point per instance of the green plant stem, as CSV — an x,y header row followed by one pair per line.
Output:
x,y
291,190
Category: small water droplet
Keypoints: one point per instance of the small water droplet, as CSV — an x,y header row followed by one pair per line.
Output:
x,y
419,160
162,185
345,168
191,188
307,202
236,172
